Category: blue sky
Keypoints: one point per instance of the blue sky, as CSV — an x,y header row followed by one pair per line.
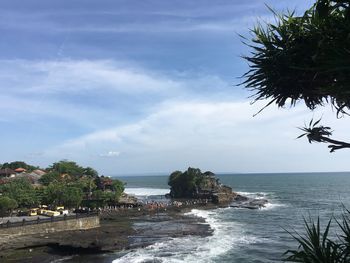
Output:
x,y
132,87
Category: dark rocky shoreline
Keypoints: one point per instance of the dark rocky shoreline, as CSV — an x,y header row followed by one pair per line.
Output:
x,y
119,230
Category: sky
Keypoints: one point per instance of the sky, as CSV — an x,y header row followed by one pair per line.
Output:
x,y
142,87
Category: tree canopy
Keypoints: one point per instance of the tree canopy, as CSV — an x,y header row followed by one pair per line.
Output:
x,y
7,205
20,190
304,58
18,164
68,167
185,184
61,194
65,183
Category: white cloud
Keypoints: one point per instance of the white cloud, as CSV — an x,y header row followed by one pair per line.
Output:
x,y
162,22
67,76
181,127
110,154
220,136
91,93
168,18
166,27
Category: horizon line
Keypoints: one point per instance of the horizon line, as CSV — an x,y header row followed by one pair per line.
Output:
x,y
224,173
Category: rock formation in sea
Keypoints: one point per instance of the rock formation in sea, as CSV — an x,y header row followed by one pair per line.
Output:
x,y
194,184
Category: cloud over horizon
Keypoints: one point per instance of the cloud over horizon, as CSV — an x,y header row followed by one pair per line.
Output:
x,y
220,136
129,87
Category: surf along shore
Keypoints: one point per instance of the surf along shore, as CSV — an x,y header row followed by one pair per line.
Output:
x,y
120,229
132,226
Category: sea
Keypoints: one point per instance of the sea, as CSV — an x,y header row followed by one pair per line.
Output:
x,y
243,235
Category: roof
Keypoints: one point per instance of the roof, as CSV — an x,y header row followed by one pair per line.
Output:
x,y
39,172
20,170
6,172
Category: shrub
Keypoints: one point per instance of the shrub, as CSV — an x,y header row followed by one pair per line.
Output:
x,y
317,246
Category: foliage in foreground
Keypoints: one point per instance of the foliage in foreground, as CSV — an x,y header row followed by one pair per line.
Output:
x,y
317,246
319,133
303,58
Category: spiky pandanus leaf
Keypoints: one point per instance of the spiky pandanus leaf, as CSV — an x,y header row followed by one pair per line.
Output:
x,y
315,246
321,133
303,57
345,235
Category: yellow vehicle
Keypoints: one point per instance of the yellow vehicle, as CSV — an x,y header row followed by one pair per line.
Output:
x,y
42,210
62,210
33,212
52,213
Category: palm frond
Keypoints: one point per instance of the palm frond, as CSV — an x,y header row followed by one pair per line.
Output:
x,y
302,58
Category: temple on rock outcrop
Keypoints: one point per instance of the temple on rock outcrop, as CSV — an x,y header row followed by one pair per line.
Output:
x,y
197,185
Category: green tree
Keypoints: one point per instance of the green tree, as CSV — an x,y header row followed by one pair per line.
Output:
x,y
18,164
7,205
97,194
86,184
175,183
99,198
88,171
185,184
50,177
110,197
72,197
20,190
118,188
53,193
59,193
68,167
304,58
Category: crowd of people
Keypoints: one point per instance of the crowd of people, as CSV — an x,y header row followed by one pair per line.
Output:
x,y
156,205
164,204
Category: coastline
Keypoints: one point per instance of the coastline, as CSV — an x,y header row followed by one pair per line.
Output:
x,y
120,230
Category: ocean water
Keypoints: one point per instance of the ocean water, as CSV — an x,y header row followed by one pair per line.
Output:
x,y
243,235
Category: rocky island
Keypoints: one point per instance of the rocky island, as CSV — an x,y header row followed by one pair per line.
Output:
x,y
197,185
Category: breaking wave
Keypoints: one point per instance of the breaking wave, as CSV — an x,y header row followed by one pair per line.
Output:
x,y
270,197
146,191
227,235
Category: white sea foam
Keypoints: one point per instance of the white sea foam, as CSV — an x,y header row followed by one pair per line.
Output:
x,y
270,206
272,202
256,195
226,233
226,236
146,191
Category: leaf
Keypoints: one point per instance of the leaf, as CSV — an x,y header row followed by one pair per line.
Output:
x,y
317,122
322,9
301,135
